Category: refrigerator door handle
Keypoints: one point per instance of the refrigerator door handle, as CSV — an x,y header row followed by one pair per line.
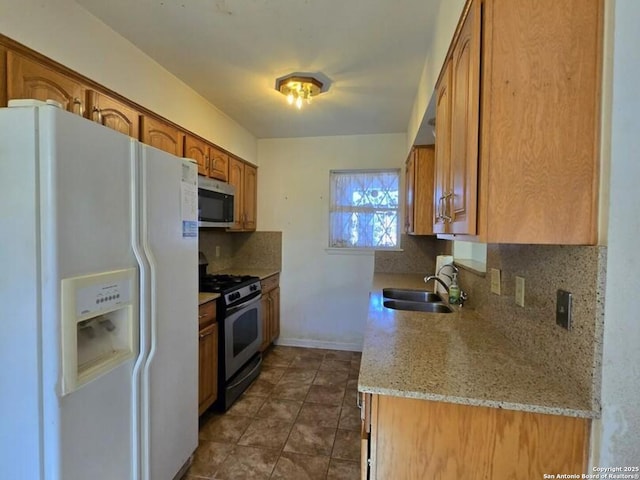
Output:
x,y
139,378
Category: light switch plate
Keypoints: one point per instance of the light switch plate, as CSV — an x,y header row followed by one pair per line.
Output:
x,y
495,281
563,309
217,251
520,291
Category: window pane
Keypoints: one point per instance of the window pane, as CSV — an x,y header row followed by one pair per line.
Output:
x,y
364,209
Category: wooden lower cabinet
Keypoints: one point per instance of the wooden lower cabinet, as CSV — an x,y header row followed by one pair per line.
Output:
x,y
418,439
270,310
208,357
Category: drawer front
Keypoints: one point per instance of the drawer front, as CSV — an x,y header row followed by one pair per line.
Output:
x,y
207,313
270,283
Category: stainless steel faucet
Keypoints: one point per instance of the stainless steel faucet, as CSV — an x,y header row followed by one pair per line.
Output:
x,y
437,279
463,295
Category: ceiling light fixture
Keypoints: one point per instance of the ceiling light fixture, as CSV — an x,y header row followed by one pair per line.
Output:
x,y
299,89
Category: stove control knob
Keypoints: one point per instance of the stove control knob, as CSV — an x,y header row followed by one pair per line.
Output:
x,y
234,296
253,288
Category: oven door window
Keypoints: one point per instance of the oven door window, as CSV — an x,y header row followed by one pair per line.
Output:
x,y
245,331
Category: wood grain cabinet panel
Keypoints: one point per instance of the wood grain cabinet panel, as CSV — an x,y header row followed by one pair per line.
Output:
x,y
114,114
3,76
442,151
270,310
417,439
517,128
161,135
219,165
27,78
199,151
208,356
244,178
465,104
457,117
419,191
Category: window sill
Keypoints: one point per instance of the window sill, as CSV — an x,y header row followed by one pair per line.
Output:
x,y
357,251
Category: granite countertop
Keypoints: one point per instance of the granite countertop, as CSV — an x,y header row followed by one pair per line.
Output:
x,y
455,358
206,297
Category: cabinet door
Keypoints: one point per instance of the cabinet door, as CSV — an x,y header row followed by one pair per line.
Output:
x,y
114,114
27,78
250,197
199,151
409,191
218,164
3,76
208,367
275,313
236,178
423,181
266,322
161,135
443,140
465,101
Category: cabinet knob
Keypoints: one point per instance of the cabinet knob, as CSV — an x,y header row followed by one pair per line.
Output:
x,y
78,107
97,115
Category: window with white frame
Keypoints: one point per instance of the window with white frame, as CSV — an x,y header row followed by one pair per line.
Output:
x,y
364,209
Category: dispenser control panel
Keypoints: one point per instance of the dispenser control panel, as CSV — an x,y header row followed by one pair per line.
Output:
x,y
105,296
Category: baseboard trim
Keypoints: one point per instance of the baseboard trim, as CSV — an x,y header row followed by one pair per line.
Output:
x,y
303,342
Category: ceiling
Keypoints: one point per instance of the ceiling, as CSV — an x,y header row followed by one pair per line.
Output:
x,y
232,51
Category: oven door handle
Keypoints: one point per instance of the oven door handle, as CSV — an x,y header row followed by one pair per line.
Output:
x,y
248,303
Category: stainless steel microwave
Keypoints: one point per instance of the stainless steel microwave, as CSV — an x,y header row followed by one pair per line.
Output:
x,y
215,203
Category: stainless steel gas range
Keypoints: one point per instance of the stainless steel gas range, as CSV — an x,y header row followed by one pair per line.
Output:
x,y
240,330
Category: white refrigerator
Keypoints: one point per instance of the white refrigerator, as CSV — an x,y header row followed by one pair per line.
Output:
x,y
98,302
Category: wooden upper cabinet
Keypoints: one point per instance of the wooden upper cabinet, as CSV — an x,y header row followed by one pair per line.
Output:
x,y
219,165
465,103
27,78
520,128
236,175
409,191
419,191
3,76
197,150
244,178
250,196
442,151
114,114
161,135
540,134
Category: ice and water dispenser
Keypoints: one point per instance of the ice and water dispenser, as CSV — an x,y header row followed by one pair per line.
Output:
x,y
99,325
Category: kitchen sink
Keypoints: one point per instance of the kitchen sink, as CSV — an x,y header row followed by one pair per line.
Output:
x,y
430,307
411,295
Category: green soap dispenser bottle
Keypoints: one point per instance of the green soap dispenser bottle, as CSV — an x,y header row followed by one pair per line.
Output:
x,y
454,291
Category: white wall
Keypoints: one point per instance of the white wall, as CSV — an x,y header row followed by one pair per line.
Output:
x,y
447,18
324,297
65,32
619,431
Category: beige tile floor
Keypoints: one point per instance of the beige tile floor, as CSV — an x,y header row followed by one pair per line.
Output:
x,y
298,420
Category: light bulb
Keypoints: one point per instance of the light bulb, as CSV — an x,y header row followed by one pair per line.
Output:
x,y
299,103
290,98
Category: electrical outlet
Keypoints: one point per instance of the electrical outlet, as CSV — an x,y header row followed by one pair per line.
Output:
x,y
520,291
563,309
217,251
495,281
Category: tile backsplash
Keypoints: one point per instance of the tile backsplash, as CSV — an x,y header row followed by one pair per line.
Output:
x,y
418,255
574,355
259,250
